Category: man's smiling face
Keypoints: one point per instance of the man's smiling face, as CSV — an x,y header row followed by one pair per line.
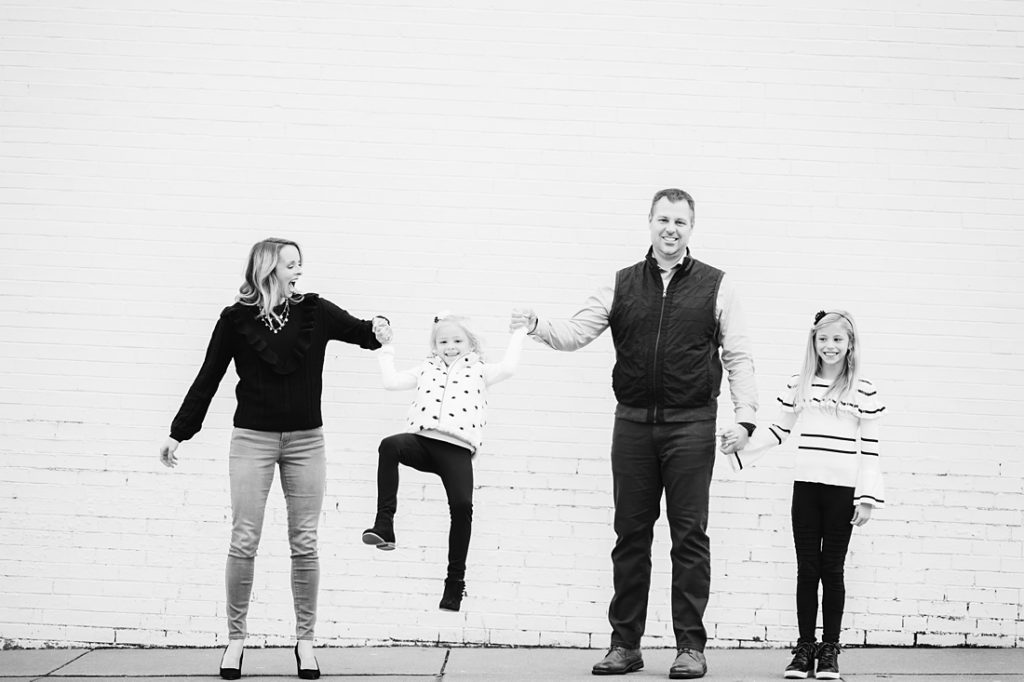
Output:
x,y
671,226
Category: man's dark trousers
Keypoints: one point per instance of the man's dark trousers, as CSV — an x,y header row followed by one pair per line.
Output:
x,y
678,458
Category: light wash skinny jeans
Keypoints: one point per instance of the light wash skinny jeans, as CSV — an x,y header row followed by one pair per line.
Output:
x,y
251,462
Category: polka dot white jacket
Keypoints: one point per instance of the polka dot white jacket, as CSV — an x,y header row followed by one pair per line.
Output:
x,y
451,400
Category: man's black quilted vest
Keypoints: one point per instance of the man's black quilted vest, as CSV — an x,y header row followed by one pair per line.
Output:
x,y
667,366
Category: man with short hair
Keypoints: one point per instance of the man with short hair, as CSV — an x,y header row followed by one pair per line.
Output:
x,y
675,324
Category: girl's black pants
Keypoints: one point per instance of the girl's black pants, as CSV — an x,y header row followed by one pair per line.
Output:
x,y
453,464
821,534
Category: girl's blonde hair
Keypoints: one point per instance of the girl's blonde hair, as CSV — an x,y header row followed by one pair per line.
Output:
x,y
475,345
261,288
843,389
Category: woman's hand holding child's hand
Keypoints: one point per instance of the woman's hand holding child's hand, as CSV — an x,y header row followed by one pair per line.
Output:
x,y
382,330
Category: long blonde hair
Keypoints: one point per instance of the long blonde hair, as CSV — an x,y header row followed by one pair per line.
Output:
x,y
261,288
843,389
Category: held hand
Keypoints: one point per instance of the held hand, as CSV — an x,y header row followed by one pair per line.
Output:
x,y
732,439
167,455
523,318
382,330
726,443
861,514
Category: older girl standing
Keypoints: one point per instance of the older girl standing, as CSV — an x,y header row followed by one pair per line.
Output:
x,y
838,481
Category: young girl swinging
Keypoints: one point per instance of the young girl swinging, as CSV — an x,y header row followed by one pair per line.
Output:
x,y
444,431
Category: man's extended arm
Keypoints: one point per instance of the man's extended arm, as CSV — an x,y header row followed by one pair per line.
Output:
x,y
584,326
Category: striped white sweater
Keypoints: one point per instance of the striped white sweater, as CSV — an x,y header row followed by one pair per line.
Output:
x,y
833,447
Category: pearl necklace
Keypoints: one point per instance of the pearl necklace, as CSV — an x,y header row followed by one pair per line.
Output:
x,y
276,323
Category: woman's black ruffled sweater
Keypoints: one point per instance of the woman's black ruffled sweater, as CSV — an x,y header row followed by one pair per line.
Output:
x,y
280,376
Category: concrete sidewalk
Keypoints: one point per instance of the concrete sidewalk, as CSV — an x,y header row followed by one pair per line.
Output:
x,y
380,664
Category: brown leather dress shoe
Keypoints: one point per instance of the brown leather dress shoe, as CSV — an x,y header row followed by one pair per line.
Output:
x,y
689,664
619,661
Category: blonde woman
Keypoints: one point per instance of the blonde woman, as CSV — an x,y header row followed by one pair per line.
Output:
x,y
277,339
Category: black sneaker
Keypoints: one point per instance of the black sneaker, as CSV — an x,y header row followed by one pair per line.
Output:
x,y
803,661
828,665
380,537
454,591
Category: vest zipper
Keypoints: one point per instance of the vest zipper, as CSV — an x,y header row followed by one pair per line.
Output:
x,y
447,383
657,343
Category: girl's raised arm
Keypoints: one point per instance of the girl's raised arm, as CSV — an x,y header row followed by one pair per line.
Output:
x,y
392,379
499,371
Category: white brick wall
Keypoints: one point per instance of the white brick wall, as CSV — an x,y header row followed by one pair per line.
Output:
x,y
470,156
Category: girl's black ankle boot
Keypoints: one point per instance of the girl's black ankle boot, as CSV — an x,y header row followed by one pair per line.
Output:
x,y
454,590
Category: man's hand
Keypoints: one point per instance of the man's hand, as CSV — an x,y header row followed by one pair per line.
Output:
x,y
523,318
732,439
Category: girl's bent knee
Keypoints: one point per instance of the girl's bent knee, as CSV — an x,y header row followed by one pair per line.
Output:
x,y
394,443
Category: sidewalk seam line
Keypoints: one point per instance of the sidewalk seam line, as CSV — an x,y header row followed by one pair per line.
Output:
x,y
444,663
67,663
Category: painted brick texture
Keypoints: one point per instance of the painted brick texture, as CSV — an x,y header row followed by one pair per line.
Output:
x,y
476,156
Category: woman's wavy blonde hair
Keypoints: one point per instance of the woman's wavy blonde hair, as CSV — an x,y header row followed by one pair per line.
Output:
x,y
260,288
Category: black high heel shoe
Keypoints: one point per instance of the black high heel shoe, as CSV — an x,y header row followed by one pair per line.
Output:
x,y
305,673
232,673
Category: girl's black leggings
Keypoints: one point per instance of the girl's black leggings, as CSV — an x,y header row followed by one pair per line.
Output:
x,y
821,533
453,464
